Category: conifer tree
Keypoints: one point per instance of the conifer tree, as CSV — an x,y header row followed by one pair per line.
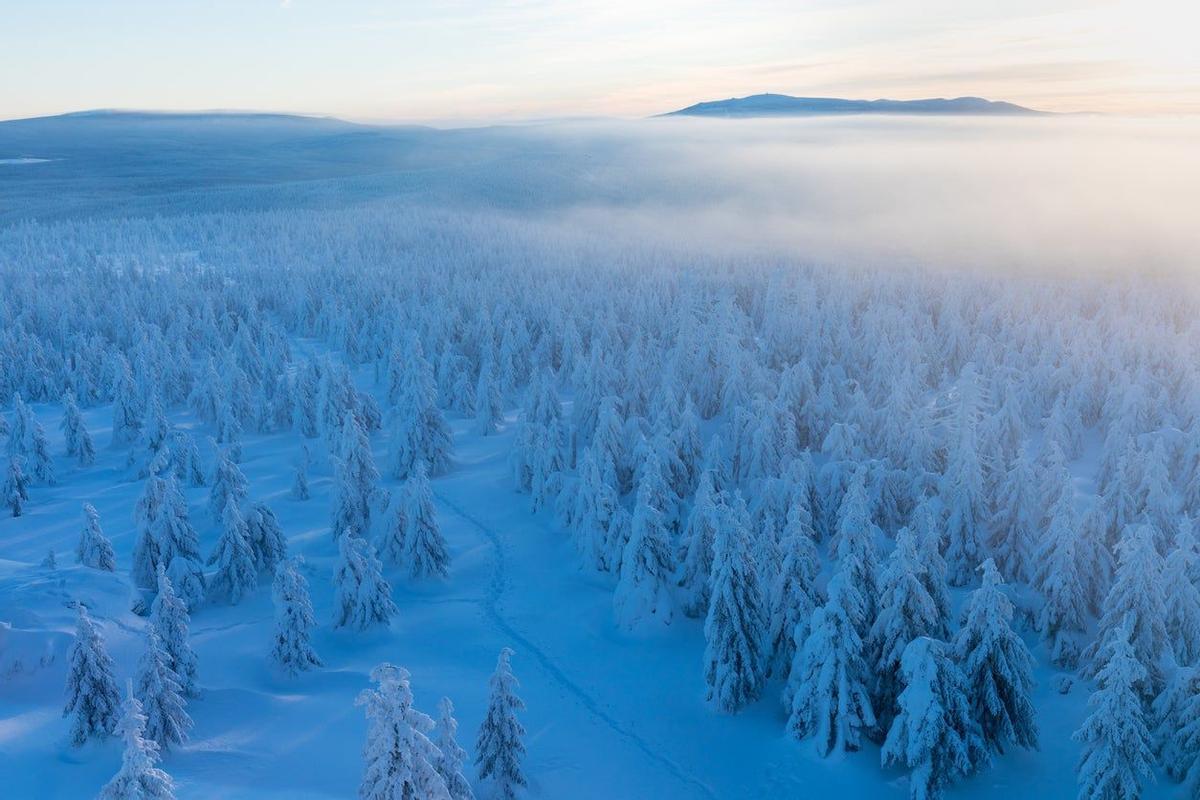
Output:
x,y
596,505
300,490
419,432
643,595
75,433
236,576
906,613
357,478
1057,578
170,619
450,754
855,549
139,778
499,749
424,546
1182,597
735,658
1176,716
228,484
488,409
94,549
795,594
127,406
699,535
158,689
363,596
186,457
291,647
933,732
830,702
1135,607
265,537
399,759
1117,753
997,666
92,696
14,492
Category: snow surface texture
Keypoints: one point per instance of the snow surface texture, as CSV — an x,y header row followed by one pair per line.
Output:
x,y
927,399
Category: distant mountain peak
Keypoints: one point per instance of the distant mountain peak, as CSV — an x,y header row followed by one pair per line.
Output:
x,y
781,105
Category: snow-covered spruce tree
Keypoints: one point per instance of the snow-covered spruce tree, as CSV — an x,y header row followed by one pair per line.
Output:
x,y
1176,716
1117,748
158,689
795,594
499,749
14,492
451,756
596,502
1135,608
291,647
147,519
962,496
229,431
75,433
170,619
997,666
698,537
236,576
489,411
139,777
399,759
419,431
228,484
933,733
186,458
363,597
828,686
356,479
94,549
1064,605
735,629
1015,523
643,595
906,613
424,546
926,525
1182,597
265,537
92,696
300,490
37,453
854,548
127,405
19,430
152,437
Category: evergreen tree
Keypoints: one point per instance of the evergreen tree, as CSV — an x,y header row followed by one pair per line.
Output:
x,y
291,647
92,696
127,406
1015,522
828,684
499,749
735,660
962,496
139,778
1117,753
357,478
186,456
597,503
94,549
398,755
14,492
265,537
1182,597
424,546
699,535
489,412
1057,579
906,613
854,548
997,666
170,619
363,596
450,755
643,594
75,433
419,432
794,595
236,576
158,689
1176,714
933,732
1135,608
300,490
228,484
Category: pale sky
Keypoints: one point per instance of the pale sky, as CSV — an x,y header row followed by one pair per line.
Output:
x,y
455,61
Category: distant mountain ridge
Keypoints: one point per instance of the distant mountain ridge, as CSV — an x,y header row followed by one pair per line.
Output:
x,y
780,105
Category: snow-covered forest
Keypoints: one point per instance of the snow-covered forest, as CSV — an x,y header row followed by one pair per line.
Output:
x,y
444,503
